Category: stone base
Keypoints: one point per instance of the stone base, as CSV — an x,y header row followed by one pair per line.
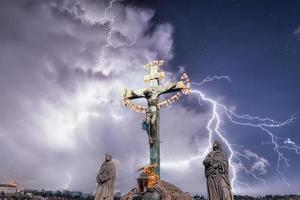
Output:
x,y
162,191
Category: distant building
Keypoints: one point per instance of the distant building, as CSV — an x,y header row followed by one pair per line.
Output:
x,y
9,188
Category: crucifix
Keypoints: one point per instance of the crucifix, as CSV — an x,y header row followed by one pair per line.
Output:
x,y
152,94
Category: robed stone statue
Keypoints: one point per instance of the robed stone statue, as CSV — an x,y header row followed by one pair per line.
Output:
x,y
106,180
216,172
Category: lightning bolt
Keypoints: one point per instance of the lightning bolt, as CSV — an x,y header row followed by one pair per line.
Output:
x,y
235,156
110,31
211,127
109,42
264,124
209,79
68,181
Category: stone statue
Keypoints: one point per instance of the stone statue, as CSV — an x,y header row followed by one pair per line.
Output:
x,y
216,172
106,180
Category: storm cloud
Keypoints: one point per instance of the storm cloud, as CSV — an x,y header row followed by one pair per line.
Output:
x,y
63,67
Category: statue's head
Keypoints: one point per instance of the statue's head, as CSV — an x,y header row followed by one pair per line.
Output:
x,y
108,157
217,145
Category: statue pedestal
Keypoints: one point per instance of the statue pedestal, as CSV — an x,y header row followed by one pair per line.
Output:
x,y
162,191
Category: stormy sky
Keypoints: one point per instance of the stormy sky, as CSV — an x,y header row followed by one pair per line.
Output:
x,y
64,64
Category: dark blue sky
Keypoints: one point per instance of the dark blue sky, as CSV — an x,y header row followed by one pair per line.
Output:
x,y
253,42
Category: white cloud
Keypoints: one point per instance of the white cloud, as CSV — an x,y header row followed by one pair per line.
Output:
x,y
289,141
260,164
297,32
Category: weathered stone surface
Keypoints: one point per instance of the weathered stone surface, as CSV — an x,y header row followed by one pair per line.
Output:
x,y
163,190
106,180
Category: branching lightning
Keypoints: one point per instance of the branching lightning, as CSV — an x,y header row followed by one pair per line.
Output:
x,y
263,124
209,79
215,128
236,156
110,31
109,43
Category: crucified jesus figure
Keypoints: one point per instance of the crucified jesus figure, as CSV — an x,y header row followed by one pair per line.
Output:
x,y
152,112
152,94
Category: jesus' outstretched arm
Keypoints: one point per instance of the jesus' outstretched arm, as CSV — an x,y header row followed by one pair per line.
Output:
x,y
133,94
172,87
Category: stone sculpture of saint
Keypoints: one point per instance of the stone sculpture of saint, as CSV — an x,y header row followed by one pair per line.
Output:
x,y
216,172
106,180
